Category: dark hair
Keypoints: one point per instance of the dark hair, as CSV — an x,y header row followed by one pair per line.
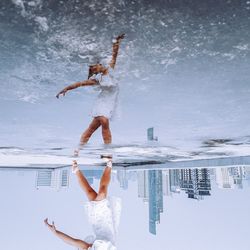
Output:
x,y
91,73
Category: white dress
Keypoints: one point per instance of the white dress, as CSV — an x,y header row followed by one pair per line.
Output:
x,y
104,216
107,100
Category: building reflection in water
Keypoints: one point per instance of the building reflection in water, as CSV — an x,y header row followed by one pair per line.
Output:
x,y
153,185
231,177
196,183
52,178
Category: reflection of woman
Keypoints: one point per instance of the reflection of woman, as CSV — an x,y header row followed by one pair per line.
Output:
x,y
103,213
105,105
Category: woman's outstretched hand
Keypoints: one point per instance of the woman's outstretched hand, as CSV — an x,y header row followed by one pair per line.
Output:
x,y
51,227
120,37
63,92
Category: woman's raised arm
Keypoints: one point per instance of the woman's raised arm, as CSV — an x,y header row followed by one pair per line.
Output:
x,y
66,238
89,82
115,48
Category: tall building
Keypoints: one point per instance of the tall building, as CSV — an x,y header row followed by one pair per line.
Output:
x,y
122,178
64,180
195,182
155,198
142,182
247,174
237,175
166,183
223,178
174,180
150,134
44,178
52,178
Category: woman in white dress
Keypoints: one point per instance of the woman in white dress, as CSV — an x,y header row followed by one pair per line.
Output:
x,y
105,105
103,213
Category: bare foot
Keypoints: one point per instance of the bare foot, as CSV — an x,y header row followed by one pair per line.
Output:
x,y
78,149
75,167
108,160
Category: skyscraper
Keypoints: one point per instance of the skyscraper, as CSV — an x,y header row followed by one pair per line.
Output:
x,y
174,180
122,178
223,178
155,198
195,182
64,178
166,182
52,178
150,134
44,178
238,175
247,174
142,182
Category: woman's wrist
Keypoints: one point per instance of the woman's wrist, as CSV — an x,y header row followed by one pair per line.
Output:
x,y
116,41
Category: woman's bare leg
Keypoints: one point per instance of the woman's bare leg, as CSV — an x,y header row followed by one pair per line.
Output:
x,y
94,125
90,192
106,133
104,183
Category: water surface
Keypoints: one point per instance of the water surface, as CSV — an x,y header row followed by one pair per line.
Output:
x,y
163,208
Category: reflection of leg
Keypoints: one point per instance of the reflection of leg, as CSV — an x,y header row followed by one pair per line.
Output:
x,y
106,133
94,125
90,192
104,183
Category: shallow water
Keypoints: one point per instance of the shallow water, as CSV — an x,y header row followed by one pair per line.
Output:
x,y
161,208
123,154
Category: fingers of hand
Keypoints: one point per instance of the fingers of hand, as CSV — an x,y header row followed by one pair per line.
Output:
x,y
121,36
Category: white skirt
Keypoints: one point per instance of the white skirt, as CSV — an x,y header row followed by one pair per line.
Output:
x,y
106,102
102,245
104,216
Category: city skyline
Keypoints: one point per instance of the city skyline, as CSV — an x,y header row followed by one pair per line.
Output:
x,y
154,185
